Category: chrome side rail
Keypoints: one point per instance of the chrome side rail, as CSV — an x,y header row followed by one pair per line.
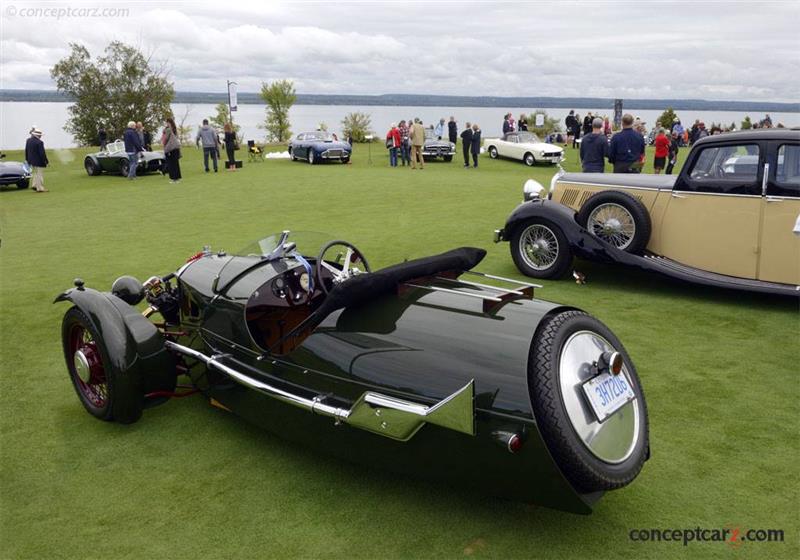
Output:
x,y
479,285
374,412
449,291
509,280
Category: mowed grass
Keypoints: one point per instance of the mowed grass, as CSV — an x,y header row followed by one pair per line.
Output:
x,y
720,371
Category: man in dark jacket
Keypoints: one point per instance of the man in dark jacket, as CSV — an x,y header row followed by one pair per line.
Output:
x,y
102,136
36,158
587,123
626,148
569,123
476,143
452,130
506,125
466,143
133,145
594,149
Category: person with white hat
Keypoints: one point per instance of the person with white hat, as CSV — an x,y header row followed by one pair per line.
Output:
x,y
36,158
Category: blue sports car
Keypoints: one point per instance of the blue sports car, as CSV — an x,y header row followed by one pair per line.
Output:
x,y
315,147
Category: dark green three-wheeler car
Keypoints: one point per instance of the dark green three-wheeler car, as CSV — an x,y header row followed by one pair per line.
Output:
x,y
425,367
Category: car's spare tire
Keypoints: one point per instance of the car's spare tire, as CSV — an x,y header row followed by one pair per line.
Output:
x,y
593,455
617,218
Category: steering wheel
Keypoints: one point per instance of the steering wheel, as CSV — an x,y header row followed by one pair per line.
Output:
x,y
344,264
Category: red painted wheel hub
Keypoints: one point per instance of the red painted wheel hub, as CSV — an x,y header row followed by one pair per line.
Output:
x,y
88,371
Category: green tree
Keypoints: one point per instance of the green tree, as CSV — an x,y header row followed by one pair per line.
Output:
x,y
746,123
357,126
551,124
279,97
120,86
667,118
222,117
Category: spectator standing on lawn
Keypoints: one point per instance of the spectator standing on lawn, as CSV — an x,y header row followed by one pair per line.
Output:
x,y
36,157
405,143
140,132
594,149
587,123
147,140
576,130
452,130
607,127
476,144
393,142
569,124
662,144
417,136
466,143
210,140
230,145
133,146
626,148
439,131
507,124
102,137
172,150
522,123
674,145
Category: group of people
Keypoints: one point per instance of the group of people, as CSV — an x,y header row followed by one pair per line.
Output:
x,y
208,138
406,140
625,151
576,127
170,140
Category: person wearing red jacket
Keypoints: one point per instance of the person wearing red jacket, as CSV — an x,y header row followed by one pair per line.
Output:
x,y
393,142
662,151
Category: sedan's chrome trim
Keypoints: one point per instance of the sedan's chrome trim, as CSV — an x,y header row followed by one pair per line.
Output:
x,y
604,185
374,412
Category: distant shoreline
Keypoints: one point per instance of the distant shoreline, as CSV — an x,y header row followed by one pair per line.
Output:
x,y
410,100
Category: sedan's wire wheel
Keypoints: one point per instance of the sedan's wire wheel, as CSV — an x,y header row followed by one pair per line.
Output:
x,y
540,249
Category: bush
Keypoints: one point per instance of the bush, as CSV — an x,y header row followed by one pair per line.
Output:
x,y
746,123
667,118
357,126
551,124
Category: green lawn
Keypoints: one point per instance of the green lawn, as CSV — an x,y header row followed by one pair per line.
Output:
x,y
720,370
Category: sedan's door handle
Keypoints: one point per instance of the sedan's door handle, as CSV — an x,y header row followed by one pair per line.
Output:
x,y
676,195
769,199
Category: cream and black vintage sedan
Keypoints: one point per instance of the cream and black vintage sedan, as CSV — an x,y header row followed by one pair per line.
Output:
x,y
731,218
523,146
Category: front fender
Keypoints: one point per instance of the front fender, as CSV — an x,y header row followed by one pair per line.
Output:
x,y
135,346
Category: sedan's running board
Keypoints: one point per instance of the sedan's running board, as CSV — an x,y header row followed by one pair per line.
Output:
x,y
381,414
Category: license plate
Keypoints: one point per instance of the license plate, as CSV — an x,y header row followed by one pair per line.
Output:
x,y
608,393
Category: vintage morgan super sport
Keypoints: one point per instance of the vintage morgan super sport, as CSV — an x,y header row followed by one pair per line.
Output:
x,y
423,367
731,218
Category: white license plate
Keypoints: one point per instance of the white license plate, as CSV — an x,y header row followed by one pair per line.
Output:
x,y
608,393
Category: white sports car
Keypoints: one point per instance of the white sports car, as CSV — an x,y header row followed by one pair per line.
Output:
x,y
524,146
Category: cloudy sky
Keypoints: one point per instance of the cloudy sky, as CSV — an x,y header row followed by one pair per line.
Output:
x,y
705,50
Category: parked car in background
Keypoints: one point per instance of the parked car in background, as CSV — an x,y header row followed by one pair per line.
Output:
x,y
14,173
435,148
418,368
731,218
523,146
114,159
319,146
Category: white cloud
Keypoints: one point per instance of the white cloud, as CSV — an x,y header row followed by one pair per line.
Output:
x,y
629,49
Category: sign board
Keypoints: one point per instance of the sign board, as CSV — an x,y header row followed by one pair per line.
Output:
x,y
617,114
539,123
232,101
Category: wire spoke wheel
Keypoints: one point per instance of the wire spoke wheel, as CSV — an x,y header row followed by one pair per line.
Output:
x,y
87,368
539,247
612,223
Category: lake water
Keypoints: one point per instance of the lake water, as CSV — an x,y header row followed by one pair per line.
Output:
x,y
16,118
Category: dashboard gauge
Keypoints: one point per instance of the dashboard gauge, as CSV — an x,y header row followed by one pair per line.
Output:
x,y
304,281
